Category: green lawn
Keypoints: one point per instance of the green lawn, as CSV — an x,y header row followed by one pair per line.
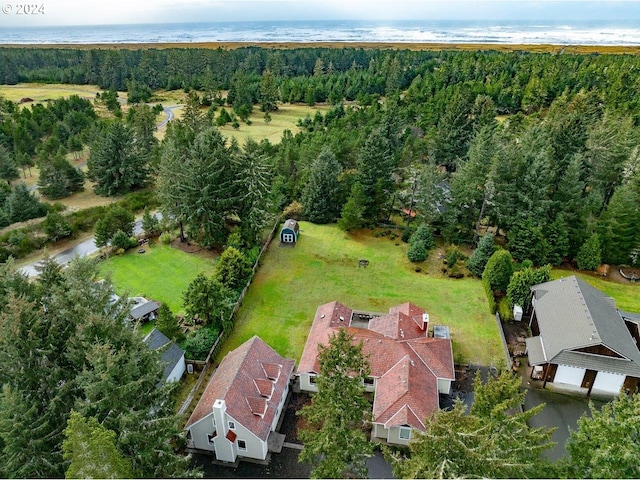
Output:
x,y
626,295
161,273
293,282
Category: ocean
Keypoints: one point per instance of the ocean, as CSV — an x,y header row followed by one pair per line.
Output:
x,y
441,31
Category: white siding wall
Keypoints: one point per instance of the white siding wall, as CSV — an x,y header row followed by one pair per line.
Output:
x,y
391,435
178,370
274,424
569,375
444,386
608,382
305,384
199,433
256,448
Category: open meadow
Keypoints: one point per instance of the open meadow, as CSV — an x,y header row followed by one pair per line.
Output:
x,y
293,282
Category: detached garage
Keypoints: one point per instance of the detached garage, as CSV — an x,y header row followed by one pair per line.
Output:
x,y
289,232
581,342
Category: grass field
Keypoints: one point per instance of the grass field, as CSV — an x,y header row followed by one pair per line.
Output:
x,y
286,117
323,267
161,273
41,92
626,295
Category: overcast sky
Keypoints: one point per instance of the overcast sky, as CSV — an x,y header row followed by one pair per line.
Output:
x,y
84,12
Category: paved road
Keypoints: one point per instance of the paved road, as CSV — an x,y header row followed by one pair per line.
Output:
x,y
88,247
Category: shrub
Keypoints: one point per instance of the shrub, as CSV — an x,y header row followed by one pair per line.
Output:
x,y
504,309
417,252
198,344
498,271
423,235
453,255
294,210
407,232
490,296
123,241
232,269
165,238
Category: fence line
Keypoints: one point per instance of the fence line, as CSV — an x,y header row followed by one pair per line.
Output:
x,y
224,334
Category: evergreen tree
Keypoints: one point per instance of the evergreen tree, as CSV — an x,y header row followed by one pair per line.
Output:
x,y
91,450
252,184
23,205
206,299
376,162
556,235
232,269
268,92
116,219
493,440
55,226
526,242
590,254
334,441
115,164
196,184
519,288
352,212
58,178
167,323
498,271
619,225
150,224
417,252
8,168
321,195
480,256
604,444
423,235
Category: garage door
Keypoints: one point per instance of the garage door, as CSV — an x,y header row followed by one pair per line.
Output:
x,y
569,375
608,382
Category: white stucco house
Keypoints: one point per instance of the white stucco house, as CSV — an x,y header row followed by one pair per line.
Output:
x,y
238,413
409,369
580,341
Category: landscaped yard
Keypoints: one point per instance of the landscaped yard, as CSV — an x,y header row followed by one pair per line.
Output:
x,y
323,267
161,273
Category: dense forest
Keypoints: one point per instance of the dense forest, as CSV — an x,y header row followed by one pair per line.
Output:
x,y
541,146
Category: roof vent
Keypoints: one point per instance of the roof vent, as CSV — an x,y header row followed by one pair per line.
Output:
x,y
341,318
322,316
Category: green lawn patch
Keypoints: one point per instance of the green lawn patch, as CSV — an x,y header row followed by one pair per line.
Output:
x,y
161,273
323,267
627,296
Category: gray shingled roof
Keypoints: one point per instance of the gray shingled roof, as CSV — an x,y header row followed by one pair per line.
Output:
x,y
171,355
156,339
144,309
571,315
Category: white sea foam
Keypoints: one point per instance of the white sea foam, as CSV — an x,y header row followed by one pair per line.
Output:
x,y
335,31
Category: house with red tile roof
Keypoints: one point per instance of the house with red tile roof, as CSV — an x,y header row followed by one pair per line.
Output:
x,y
409,369
238,413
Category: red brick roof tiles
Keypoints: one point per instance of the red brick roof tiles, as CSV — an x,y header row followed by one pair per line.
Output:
x,y
236,381
406,363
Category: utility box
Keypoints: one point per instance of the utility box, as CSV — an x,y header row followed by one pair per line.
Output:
x,y
517,313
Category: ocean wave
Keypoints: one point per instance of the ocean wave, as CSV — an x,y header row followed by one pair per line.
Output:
x,y
398,32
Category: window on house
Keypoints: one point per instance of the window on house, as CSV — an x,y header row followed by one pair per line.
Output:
x,y
232,425
211,436
242,445
312,379
368,382
405,433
